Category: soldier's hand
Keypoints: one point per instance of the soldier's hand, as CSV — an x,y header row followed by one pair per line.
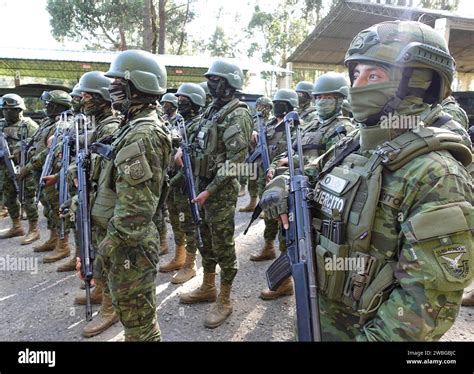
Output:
x,y
178,158
78,269
24,171
254,138
269,175
201,198
50,180
282,162
274,201
76,182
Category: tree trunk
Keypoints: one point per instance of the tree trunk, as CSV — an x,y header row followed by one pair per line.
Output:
x,y
153,30
147,25
183,32
162,26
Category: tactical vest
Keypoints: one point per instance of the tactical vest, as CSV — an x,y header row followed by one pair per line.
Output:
x,y
346,200
209,147
314,138
104,200
276,138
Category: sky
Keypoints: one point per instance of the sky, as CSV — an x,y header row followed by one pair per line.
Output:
x,y
25,23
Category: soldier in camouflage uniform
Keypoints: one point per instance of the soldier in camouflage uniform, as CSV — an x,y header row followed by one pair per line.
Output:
x,y
452,107
55,103
96,105
191,99
220,146
284,101
16,129
208,94
306,109
76,99
128,193
402,196
264,106
169,103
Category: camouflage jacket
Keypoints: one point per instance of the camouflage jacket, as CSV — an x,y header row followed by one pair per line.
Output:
x,y
308,115
22,130
135,178
451,107
221,144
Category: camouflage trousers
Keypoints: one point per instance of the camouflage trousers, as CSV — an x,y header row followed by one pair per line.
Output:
x,y
159,219
181,220
130,273
252,185
50,200
11,198
217,231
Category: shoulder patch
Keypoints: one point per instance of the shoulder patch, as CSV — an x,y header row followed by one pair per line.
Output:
x,y
454,260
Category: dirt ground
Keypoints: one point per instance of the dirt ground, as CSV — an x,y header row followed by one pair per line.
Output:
x,y
38,305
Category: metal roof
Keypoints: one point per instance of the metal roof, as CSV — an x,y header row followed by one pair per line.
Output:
x,y
329,41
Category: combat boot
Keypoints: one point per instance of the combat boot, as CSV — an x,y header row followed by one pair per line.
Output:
x,y
284,289
177,262
15,230
96,295
205,293
50,244
221,310
188,271
33,233
468,298
163,243
61,251
267,253
70,265
250,206
106,318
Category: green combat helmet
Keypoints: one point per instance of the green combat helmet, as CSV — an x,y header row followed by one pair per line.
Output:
x,y
264,100
193,92
95,82
12,101
304,86
142,68
76,92
286,95
58,97
331,83
404,45
205,88
231,72
170,98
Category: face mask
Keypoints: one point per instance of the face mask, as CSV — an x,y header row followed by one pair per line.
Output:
x,y
76,104
51,109
370,99
118,96
280,109
168,109
303,99
11,115
326,107
219,88
184,108
264,109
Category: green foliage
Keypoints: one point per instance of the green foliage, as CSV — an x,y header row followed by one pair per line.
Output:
x,y
283,30
103,24
440,4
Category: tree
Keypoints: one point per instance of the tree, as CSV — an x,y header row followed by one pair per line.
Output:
x,y
122,24
112,25
283,30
